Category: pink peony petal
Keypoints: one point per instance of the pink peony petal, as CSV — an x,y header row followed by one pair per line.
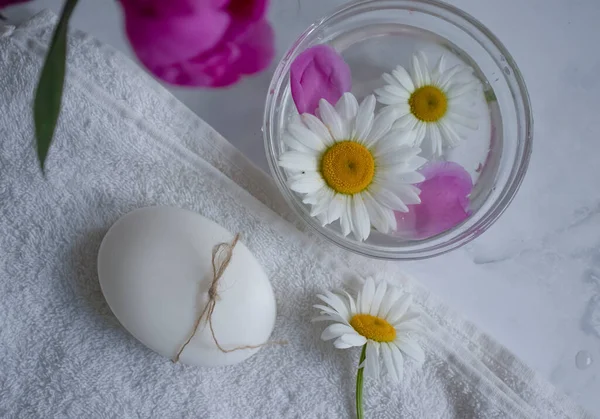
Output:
x,y
444,201
256,47
238,54
251,11
318,73
210,43
4,3
163,35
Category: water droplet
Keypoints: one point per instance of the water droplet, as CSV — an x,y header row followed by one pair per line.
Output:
x,y
507,71
583,360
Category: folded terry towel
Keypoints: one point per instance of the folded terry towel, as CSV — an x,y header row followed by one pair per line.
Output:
x,y
122,143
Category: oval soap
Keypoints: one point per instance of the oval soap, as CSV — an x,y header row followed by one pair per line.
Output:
x,y
155,270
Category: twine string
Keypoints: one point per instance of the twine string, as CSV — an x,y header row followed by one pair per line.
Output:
x,y
221,257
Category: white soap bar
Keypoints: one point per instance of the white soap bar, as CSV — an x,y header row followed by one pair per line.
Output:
x,y
155,270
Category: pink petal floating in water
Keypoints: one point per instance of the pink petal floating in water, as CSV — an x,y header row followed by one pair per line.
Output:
x,y
318,73
444,201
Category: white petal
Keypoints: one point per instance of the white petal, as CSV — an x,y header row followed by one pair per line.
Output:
x,y
367,293
377,214
332,120
378,297
425,67
346,217
353,339
390,176
340,344
306,137
324,318
458,90
294,144
345,221
462,120
420,133
447,76
331,312
336,302
315,125
387,98
351,303
398,361
403,78
412,349
435,138
321,206
399,308
390,217
455,107
388,199
349,341
364,118
372,360
449,135
420,69
438,70
386,354
406,122
398,91
316,197
413,164
389,79
401,155
401,109
326,309
381,126
336,206
307,183
409,194
336,330
296,160
394,141
321,217
360,218
296,119
388,302
465,101
403,172
347,107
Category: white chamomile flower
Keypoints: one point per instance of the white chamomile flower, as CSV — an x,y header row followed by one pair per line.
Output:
x,y
352,166
380,318
433,104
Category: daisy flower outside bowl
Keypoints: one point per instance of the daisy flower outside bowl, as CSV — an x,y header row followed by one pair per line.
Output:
x,y
429,84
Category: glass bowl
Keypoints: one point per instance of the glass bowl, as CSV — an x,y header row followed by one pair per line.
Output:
x,y
375,36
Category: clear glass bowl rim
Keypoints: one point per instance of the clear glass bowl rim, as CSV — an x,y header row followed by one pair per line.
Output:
x,y
436,245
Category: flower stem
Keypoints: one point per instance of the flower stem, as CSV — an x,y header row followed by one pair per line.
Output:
x,y
359,383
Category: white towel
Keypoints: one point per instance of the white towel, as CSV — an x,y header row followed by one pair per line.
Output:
x,y
123,142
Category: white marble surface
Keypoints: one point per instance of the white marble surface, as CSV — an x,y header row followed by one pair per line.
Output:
x,y
533,280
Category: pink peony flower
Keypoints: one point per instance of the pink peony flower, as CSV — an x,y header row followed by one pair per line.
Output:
x,y
4,3
209,43
444,201
318,73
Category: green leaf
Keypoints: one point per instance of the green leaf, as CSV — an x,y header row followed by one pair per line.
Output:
x,y
48,95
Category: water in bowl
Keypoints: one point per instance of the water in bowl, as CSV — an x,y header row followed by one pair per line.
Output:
x,y
372,50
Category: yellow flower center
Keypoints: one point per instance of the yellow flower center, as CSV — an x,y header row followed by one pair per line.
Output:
x,y
348,167
373,327
428,103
